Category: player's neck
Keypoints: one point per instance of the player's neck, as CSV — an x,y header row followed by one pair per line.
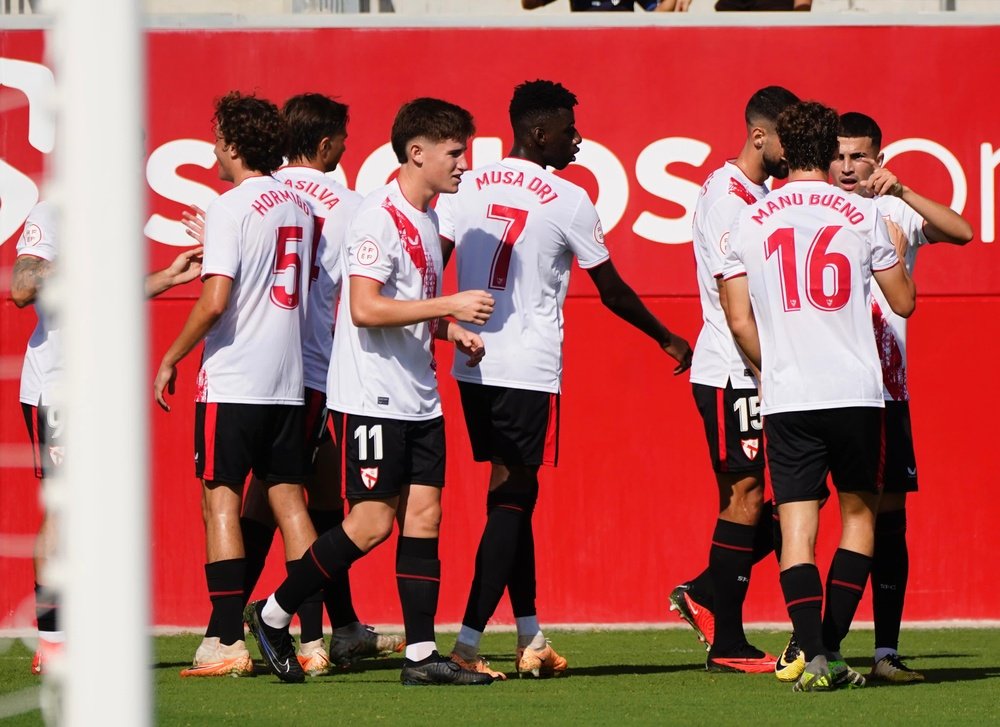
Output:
x,y
750,163
415,190
242,174
521,152
806,175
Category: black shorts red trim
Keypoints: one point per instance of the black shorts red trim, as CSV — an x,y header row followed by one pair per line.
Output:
x,y
733,427
233,440
511,426
382,456
900,460
45,433
803,447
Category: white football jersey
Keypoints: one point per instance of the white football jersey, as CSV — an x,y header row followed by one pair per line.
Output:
x,y
727,192
43,356
890,329
258,233
388,372
808,251
516,229
333,205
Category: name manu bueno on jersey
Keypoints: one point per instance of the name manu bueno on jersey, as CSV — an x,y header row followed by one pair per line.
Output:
x,y
835,202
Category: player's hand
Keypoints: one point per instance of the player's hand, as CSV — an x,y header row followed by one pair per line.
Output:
x,y
468,343
882,182
194,220
680,351
898,238
186,266
472,306
166,376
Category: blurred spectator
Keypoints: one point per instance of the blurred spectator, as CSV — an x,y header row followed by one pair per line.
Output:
x,y
627,6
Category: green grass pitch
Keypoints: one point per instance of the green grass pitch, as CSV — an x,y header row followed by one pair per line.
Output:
x,y
616,677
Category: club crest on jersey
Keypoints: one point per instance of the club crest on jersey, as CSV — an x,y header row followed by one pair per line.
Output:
x,y
367,254
32,234
599,233
369,477
750,447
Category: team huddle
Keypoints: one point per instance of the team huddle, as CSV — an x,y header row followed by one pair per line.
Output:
x,y
320,306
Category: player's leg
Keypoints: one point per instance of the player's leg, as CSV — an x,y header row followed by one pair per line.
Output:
x,y
798,459
891,562
373,485
45,434
224,436
257,526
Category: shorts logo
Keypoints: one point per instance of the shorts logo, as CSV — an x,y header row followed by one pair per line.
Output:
x,y
911,471
57,453
383,401
367,254
750,447
369,477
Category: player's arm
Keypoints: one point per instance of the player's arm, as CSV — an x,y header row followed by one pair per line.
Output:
x,y
185,268
618,297
371,309
209,307
941,223
27,277
802,5
898,288
739,316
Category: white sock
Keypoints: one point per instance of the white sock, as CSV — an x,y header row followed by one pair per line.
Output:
x,y
883,652
467,643
53,637
528,631
420,650
274,615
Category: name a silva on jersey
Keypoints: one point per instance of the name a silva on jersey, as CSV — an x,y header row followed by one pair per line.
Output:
x,y
319,192
516,179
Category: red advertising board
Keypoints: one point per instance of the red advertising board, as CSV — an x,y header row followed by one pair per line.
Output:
x,y
628,512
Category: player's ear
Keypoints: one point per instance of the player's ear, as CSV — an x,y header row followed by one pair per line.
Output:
x,y
415,152
759,136
880,158
538,135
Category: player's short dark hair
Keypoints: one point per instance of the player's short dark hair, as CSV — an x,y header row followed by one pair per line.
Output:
x,y
808,134
768,103
855,125
309,118
535,101
432,119
254,127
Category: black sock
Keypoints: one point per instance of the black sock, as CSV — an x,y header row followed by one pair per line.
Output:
x,y
337,592
494,558
418,578
700,588
729,562
310,611
521,585
845,583
225,589
763,539
890,572
803,592
333,551
257,538
46,608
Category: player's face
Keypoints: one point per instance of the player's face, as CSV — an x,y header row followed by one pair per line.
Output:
x,y
224,157
856,159
772,155
562,140
443,163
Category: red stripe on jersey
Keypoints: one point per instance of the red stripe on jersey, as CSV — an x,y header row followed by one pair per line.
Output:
x,y
550,454
409,236
737,188
720,420
211,414
889,355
